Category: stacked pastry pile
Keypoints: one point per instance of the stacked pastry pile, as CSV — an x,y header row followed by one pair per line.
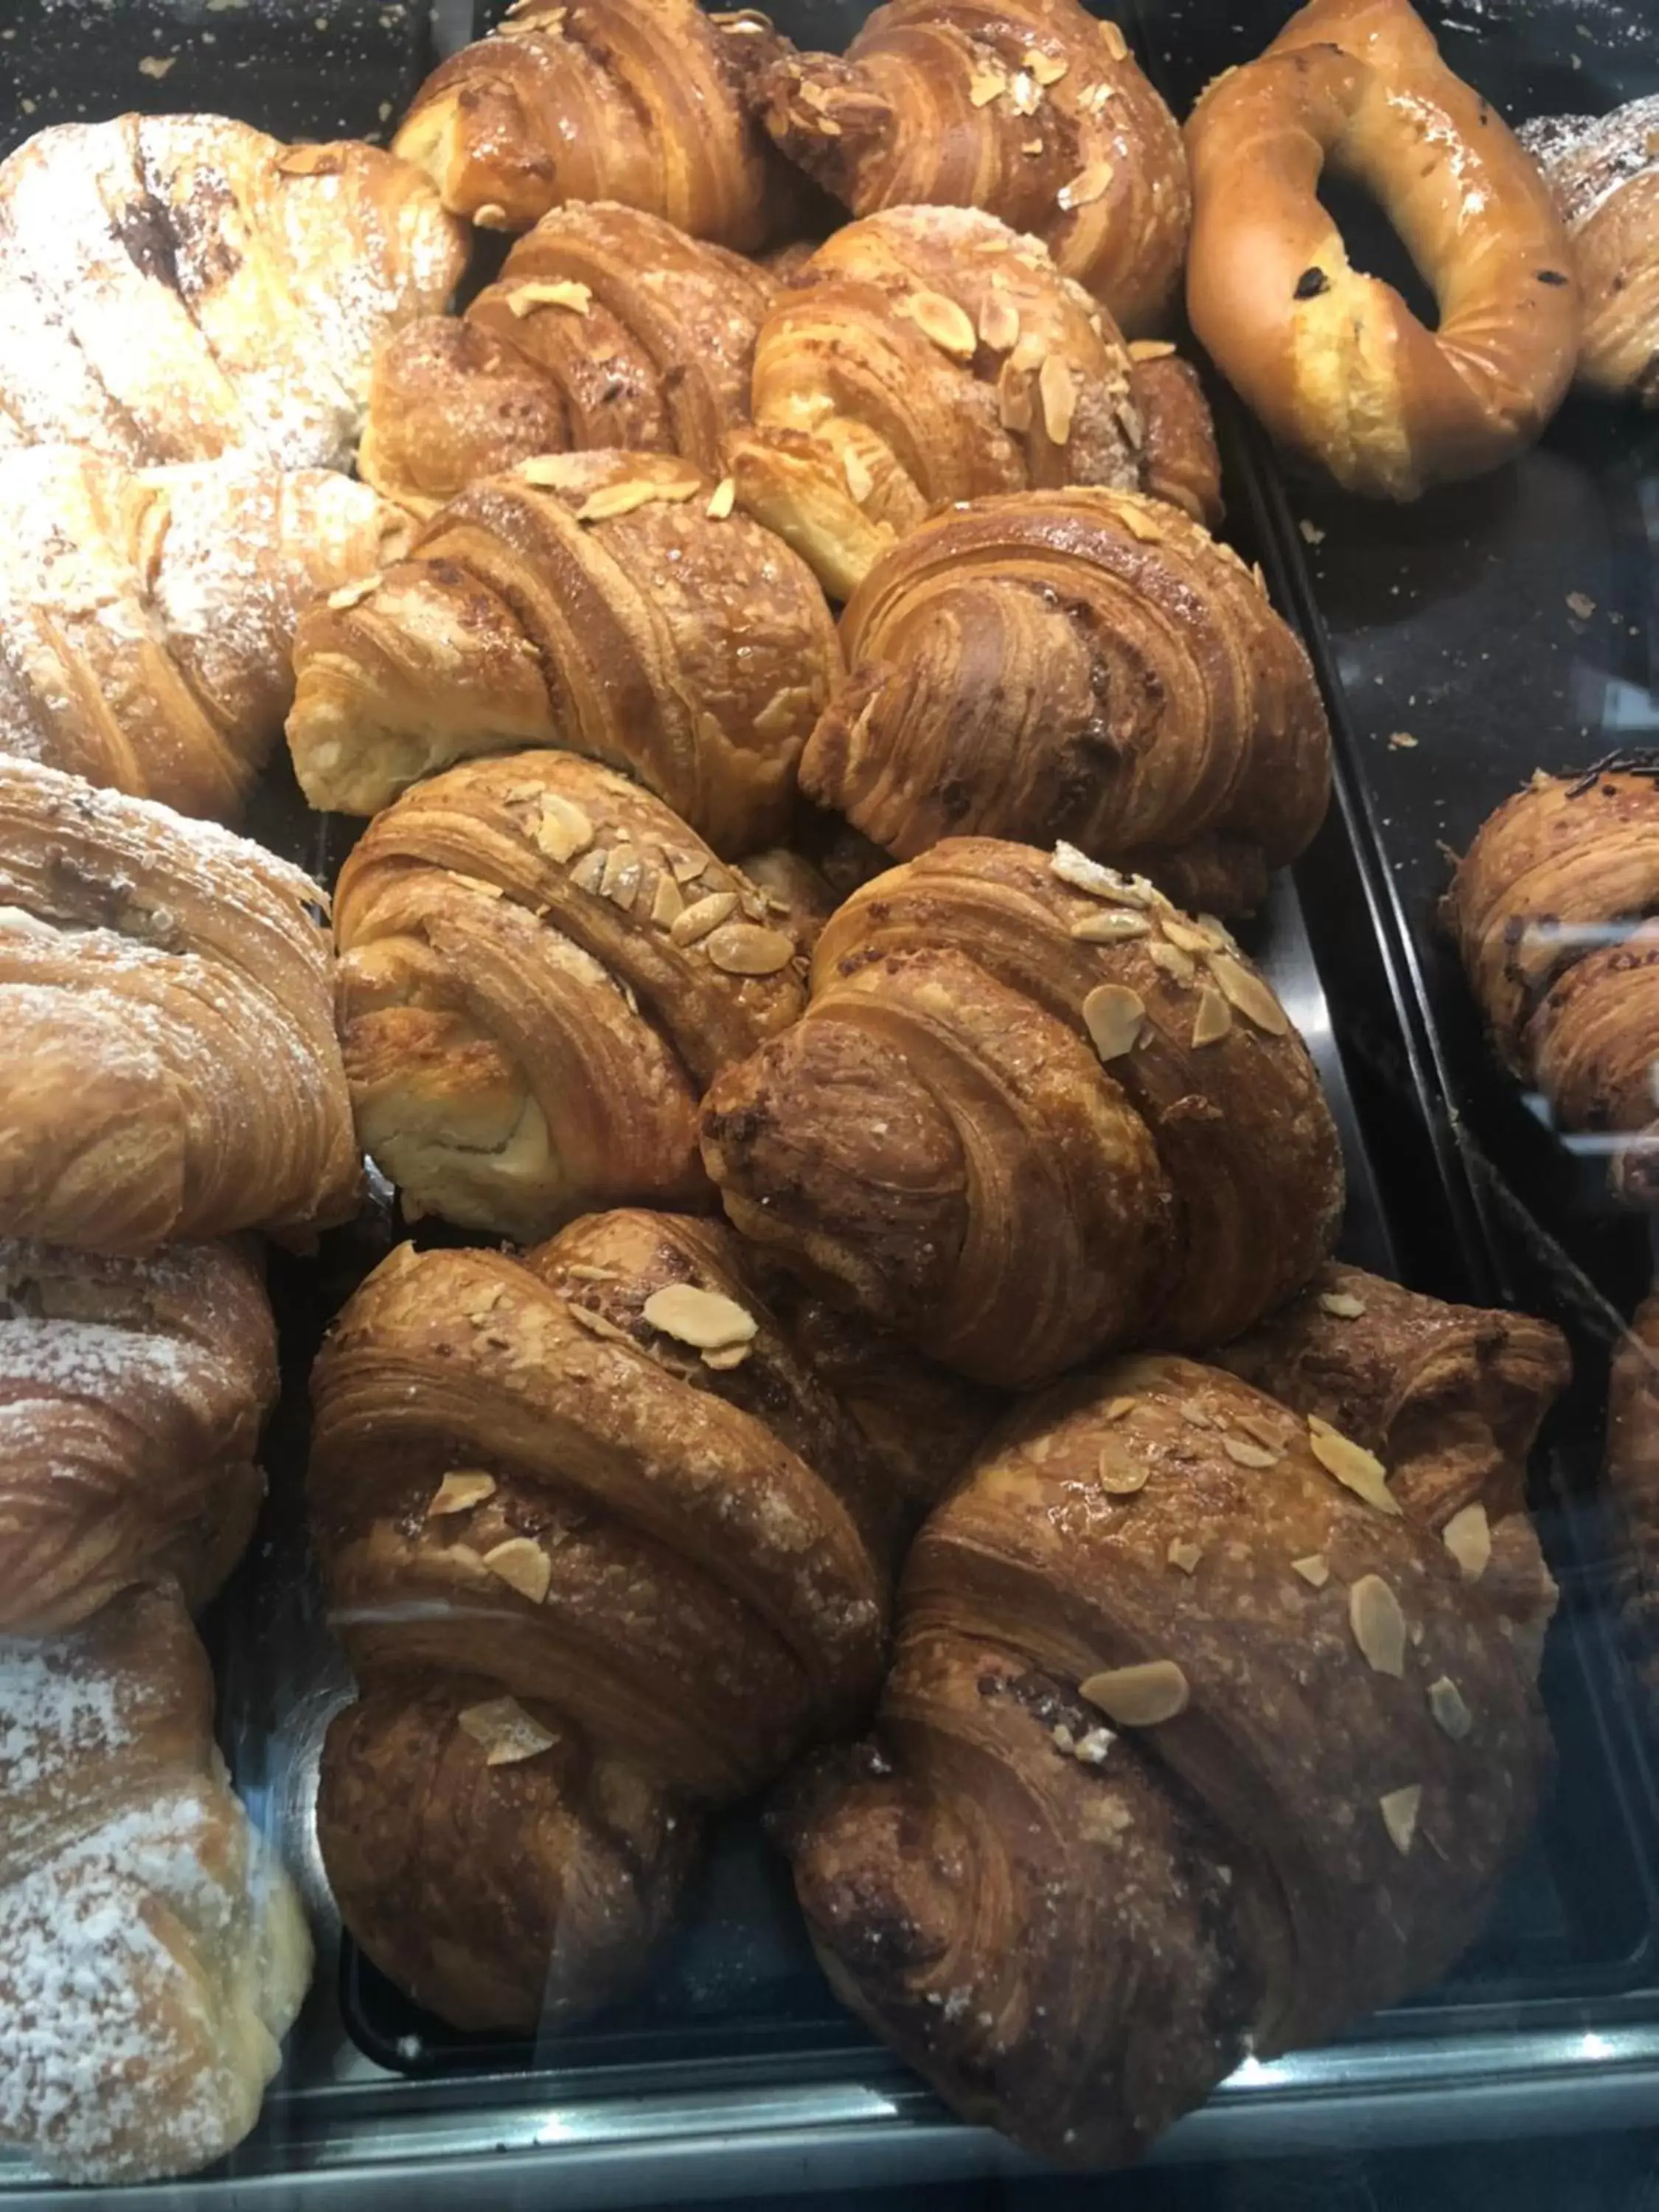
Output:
x,y
1206,1693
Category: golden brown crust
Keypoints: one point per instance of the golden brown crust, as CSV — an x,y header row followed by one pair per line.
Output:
x,y
629,1547
606,327
525,1033
1085,664
1178,458
1037,113
590,602
1547,909
131,1397
940,1139
166,996
1603,173
643,101
177,287
1333,361
148,616
1010,1883
1450,1397
1631,1476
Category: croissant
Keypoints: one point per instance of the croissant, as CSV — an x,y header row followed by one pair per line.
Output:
x,y
1197,1742
152,1952
610,604
1037,112
604,1553
645,101
540,967
1547,910
148,615
1630,1477
927,355
131,1397
606,327
175,286
1032,1112
1603,175
166,995
1084,665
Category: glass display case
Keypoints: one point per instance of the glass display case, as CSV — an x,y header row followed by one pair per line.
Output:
x,y
1458,640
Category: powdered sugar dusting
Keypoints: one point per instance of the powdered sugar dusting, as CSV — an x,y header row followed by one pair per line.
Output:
x,y
1587,158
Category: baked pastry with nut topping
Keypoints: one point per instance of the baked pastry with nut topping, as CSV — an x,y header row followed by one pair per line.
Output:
x,y
1603,175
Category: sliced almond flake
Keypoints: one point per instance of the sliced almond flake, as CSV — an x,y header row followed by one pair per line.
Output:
x,y
461,1489
506,1731
859,482
942,323
722,499
1119,1410
351,595
1314,1568
1184,1554
1031,145
1273,1434
983,88
1115,926
1342,1304
1250,994
612,500
1193,1415
524,298
580,1272
730,1355
624,868
589,871
1095,97
1076,868
667,902
492,216
1014,399
597,1324
547,470
1062,1737
1212,1020
1467,1537
1248,1454
1122,1475
1115,1017
1451,1716
563,829
1045,68
707,1320
478,884
1400,1809
702,917
1150,349
522,1564
1141,1696
1190,936
1378,1625
1116,44
688,866
1058,397
1089,185
999,322
1354,1467
744,948
1172,960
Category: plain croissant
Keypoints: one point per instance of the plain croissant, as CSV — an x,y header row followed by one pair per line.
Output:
x,y
1197,1741
607,604
175,286
541,967
148,615
606,327
1085,665
604,1553
1031,1111
1037,112
166,998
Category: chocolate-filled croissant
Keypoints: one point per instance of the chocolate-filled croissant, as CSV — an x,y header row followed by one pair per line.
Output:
x,y
1198,1741
602,602
1035,111
649,102
1085,664
1031,1111
541,967
1549,911
604,1553
929,354
606,327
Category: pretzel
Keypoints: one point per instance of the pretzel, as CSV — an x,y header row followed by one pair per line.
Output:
x,y
1333,361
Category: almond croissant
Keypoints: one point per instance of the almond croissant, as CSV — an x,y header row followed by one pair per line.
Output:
x,y
1548,910
1032,1112
1197,1741
131,1396
645,101
1035,111
931,354
540,969
166,998
175,286
1603,175
606,327
148,615
603,1554
153,1952
608,603
1085,664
